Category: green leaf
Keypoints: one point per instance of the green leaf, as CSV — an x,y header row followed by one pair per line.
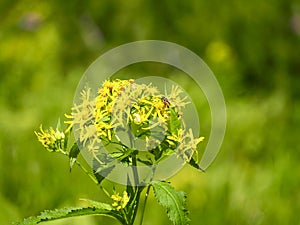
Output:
x,y
173,201
145,162
194,164
49,215
74,151
101,171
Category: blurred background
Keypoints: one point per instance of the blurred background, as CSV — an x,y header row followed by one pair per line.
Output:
x,y
253,47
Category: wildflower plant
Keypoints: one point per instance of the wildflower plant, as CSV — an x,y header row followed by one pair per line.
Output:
x,y
126,131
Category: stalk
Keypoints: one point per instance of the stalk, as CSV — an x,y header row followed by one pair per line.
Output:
x,y
144,206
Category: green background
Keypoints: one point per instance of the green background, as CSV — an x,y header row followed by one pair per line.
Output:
x,y
253,47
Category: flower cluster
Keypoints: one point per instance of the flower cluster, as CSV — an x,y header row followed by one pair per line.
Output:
x,y
52,140
186,144
120,202
151,121
132,124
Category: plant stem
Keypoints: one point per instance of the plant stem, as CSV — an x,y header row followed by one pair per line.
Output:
x,y
134,160
135,172
138,192
144,206
138,189
147,194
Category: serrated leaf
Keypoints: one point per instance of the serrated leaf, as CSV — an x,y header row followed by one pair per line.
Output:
x,y
173,201
194,164
50,215
74,151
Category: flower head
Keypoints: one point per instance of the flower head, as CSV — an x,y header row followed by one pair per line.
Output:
x,y
52,140
139,108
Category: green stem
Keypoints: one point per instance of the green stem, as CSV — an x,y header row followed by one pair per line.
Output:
x,y
144,206
135,205
138,189
134,160
134,168
147,194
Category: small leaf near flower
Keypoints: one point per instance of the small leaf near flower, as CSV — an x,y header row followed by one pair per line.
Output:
x,y
74,151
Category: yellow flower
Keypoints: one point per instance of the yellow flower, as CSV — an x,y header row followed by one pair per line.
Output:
x,y
188,145
52,140
175,98
141,115
175,138
120,202
88,132
125,199
116,197
81,114
115,204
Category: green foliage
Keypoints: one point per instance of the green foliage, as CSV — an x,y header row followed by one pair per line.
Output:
x,y
49,215
173,201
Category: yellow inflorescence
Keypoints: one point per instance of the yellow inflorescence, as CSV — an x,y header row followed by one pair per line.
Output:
x,y
120,202
52,140
124,104
115,101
